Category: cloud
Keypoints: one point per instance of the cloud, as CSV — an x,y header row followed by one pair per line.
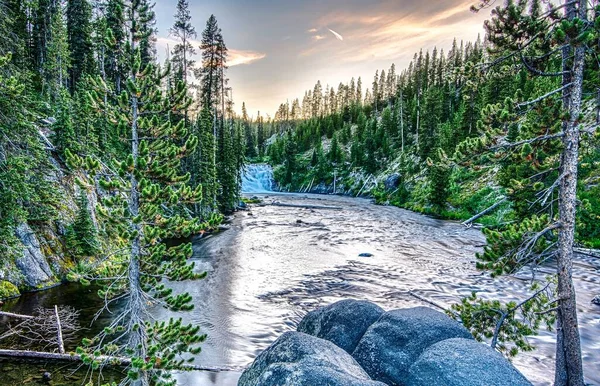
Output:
x,y
318,37
312,30
337,35
236,57
392,30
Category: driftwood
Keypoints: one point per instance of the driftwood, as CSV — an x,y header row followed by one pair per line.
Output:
x,y
45,329
306,206
108,360
486,211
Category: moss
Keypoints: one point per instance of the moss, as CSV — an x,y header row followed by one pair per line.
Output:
x,y
8,290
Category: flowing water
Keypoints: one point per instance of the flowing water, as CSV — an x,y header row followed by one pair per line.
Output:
x,y
277,263
257,178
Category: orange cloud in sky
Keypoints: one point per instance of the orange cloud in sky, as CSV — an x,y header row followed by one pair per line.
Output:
x,y
236,57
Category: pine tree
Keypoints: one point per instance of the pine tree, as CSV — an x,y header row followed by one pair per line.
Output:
x,y
249,134
145,210
116,67
572,30
260,135
82,235
184,32
147,31
79,29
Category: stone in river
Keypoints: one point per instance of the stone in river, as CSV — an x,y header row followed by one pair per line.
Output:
x,y
342,323
463,362
298,359
394,342
365,254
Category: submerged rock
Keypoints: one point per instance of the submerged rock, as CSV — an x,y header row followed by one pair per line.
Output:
x,y
394,342
463,362
365,254
342,323
298,359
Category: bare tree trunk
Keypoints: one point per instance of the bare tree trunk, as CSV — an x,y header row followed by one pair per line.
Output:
x,y
569,367
59,336
137,338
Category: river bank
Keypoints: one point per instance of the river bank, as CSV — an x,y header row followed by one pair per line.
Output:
x,y
277,263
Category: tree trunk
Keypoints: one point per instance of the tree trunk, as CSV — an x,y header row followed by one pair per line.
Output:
x,y
569,367
137,338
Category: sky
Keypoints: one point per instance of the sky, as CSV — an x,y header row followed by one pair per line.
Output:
x,y
280,48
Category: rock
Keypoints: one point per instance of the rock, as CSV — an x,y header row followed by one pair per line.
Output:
x,y
596,300
299,221
46,377
242,205
297,359
392,181
223,228
365,254
32,263
392,344
463,362
342,323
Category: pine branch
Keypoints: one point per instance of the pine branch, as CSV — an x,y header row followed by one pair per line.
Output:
x,y
511,311
528,103
528,141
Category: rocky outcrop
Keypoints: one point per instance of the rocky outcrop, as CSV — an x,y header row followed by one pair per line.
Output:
x,y
298,359
392,344
32,263
406,347
342,323
463,362
392,181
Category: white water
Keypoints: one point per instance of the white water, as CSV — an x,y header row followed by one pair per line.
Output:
x,y
257,178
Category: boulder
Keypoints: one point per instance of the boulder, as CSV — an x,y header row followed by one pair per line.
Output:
x,y
298,359
463,362
342,323
392,344
392,181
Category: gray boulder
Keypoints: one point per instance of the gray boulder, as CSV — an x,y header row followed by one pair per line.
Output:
x,y
392,182
463,362
342,323
297,359
392,344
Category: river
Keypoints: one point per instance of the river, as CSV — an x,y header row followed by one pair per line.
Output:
x,y
276,263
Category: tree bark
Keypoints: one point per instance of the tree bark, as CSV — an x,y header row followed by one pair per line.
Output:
x,y
569,367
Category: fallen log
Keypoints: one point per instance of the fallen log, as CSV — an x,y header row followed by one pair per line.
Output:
x,y
306,206
16,316
108,360
59,336
486,211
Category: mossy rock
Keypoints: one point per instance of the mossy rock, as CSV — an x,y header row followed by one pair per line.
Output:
x,y
8,290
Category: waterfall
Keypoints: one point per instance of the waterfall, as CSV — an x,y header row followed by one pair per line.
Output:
x,y
257,178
